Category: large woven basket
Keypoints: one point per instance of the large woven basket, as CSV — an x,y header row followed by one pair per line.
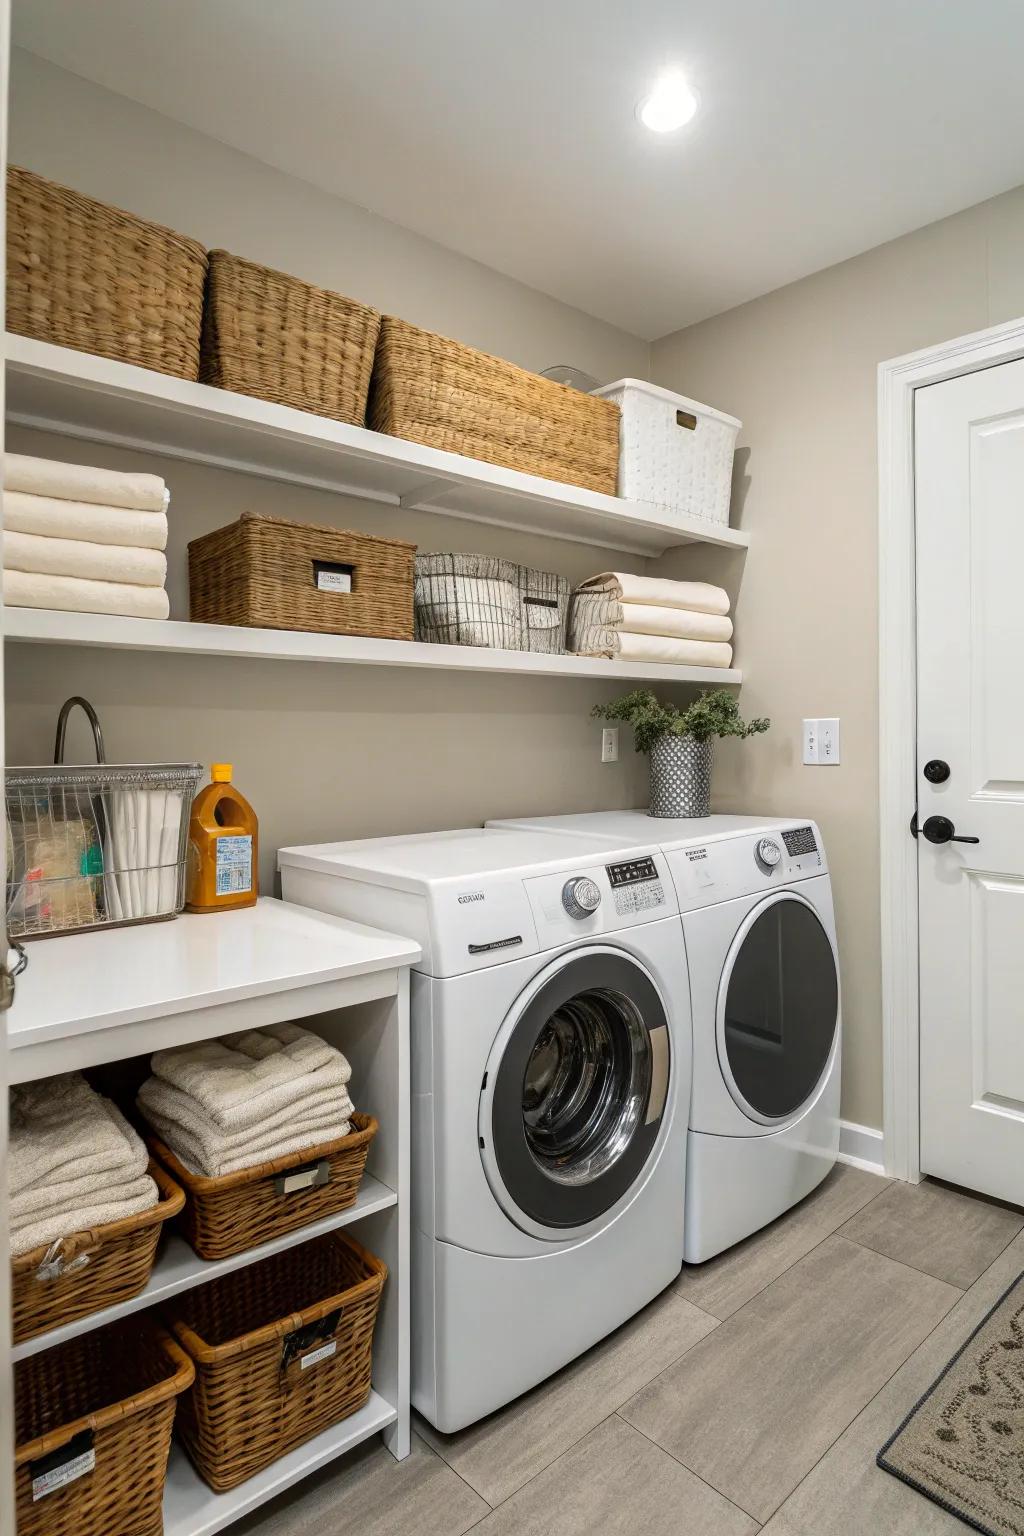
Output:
x,y
278,338
238,1211
282,1350
85,275
89,1271
438,392
98,1411
269,573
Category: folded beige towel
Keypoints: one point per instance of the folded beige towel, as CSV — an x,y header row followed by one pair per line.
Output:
x,y
695,595
74,595
242,1079
73,557
61,1129
120,1202
84,482
678,623
199,1158
55,519
627,647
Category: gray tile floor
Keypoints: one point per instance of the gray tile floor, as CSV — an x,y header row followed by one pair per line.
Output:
x,y
751,1396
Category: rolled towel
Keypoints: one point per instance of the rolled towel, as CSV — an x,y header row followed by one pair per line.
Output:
x,y
240,1080
126,1200
697,596
55,519
61,1129
43,556
84,482
626,647
72,594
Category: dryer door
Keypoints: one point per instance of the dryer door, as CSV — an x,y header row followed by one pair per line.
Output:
x,y
575,1091
778,1008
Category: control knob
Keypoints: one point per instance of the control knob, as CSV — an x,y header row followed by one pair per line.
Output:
x,y
768,854
581,896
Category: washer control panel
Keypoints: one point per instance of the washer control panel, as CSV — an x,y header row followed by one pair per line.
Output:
x,y
581,897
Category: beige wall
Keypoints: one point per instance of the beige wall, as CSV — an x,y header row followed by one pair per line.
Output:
x,y
799,368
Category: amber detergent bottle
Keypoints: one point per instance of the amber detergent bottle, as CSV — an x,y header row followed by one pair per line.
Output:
x,y
223,847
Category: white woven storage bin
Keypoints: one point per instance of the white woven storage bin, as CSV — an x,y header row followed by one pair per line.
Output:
x,y
673,452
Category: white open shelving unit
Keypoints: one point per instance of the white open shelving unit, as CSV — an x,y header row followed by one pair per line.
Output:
x,y
91,998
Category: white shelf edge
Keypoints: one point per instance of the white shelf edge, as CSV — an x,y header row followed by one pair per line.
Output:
x,y
178,1269
99,399
54,627
193,1509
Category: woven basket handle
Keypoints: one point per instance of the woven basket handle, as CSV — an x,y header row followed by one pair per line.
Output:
x,y
62,728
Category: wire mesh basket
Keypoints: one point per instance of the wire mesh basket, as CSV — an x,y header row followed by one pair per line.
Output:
x,y
468,600
95,846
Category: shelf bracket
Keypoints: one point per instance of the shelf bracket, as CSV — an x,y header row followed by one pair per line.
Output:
x,y
422,495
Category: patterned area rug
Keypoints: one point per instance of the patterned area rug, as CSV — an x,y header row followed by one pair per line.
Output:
x,y
963,1443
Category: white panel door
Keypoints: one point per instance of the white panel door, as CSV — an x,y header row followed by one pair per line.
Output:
x,y
969,447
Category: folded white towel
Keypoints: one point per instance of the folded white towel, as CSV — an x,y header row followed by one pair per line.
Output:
x,y
125,1200
645,619
43,556
698,596
73,594
61,1129
627,647
198,1158
240,1080
55,519
84,482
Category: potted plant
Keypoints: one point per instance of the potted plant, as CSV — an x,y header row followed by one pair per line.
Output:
x,y
680,743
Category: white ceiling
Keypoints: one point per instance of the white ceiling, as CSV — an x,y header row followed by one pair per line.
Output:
x,y
507,131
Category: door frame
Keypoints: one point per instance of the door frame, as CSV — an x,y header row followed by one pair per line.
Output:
x,y
897,718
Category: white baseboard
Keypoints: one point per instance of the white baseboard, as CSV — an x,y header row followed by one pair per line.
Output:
x,y
861,1146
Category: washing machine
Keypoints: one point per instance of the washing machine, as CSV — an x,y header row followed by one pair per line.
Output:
x,y
759,937
551,1064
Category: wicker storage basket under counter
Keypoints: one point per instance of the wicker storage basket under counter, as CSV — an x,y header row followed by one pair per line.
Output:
x,y
273,336
270,573
438,392
85,275
282,1350
237,1211
89,1271
93,1424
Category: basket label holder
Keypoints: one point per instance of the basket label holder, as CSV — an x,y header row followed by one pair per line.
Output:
x,y
310,1176
332,576
312,1344
63,1466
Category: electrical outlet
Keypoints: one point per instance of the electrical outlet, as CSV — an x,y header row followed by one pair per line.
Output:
x,y
821,743
610,744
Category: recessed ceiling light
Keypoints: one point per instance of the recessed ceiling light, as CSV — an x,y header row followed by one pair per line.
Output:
x,y
670,104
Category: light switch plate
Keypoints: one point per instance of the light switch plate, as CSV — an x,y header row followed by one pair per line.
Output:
x,y
610,744
821,743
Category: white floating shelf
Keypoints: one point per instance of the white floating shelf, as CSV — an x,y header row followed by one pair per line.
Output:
x,y
88,998
75,393
52,627
193,1509
179,1269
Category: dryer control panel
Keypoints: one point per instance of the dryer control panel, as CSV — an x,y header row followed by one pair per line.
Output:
x,y
601,898
739,866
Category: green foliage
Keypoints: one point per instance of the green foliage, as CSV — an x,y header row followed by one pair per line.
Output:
x,y
713,714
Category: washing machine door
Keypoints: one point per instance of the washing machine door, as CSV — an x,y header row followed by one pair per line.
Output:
x,y
778,1008
575,1092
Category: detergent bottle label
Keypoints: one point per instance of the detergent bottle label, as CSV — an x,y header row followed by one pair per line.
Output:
x,y
234,865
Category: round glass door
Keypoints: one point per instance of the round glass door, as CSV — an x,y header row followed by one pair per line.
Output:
x,y
781,1009
580,1089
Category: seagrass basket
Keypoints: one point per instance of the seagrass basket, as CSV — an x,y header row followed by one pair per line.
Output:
x,y
237,1211
273,336
89,1271
92,1431
435,391
282,1349
269,573
85,275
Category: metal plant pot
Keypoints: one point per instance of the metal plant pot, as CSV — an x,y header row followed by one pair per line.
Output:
x,y
681,777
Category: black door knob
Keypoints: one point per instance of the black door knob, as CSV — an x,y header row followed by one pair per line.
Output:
x,y
936,771
939,829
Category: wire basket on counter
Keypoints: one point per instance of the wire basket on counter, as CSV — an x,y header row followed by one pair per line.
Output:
x,y
95,846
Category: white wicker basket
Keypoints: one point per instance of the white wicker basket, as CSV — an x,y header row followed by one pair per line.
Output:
x,y
673,452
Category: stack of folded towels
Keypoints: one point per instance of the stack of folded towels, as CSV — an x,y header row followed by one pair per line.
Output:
x,y
644,618
74,1163
228,1104
84,539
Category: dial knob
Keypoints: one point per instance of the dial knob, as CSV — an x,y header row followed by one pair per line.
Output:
x,y
581,896
768,853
